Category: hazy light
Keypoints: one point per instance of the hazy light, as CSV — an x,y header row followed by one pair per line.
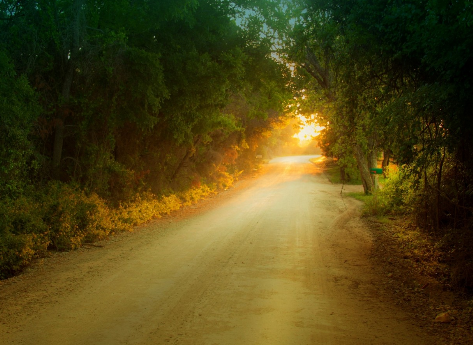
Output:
x,y
308,130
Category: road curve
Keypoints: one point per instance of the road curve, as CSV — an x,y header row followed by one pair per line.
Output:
x,y
282,261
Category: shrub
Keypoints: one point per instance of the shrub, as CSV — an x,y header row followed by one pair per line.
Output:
x,y
396,197
195,194
73,217
16,252
63,217
143,208
23,235
146,206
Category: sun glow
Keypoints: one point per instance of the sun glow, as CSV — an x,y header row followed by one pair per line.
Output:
x,y
309,129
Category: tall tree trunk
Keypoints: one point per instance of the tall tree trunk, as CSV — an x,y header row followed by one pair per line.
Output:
x,y
57,148
343,174
363,168
373,163
438,198
66,88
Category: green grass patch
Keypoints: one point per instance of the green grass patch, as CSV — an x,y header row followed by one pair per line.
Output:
x,y
374,204
360,196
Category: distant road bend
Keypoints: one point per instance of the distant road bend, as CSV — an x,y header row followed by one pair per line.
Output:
x,y
280,260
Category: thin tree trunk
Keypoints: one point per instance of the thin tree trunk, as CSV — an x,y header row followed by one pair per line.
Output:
x,y
427,202
343,175
373,163
57,148
386,158
438,194
66,89
363,168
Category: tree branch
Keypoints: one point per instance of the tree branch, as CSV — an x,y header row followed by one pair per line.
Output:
x,y
323,73
313,74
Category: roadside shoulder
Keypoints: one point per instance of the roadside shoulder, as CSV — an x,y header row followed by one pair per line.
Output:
x,y
413,279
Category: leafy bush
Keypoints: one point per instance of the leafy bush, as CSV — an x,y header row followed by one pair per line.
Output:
x,y
73,217
397,196
23,235
63,217
16,252
147,206
195,194
19,111
143,208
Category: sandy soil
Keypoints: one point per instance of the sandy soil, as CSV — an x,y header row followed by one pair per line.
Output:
x,y
280,259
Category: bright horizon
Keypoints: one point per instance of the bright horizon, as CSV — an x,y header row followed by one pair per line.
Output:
x,y
309,129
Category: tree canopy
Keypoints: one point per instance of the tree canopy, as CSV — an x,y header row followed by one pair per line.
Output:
x,y
117,98
115,87
394,76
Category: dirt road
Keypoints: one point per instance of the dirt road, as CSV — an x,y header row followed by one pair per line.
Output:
x,y
284,260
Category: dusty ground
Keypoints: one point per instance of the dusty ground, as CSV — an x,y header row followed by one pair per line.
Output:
x,y
281,259
414,279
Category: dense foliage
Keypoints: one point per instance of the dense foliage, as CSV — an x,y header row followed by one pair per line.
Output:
x,y
395,76
107,104
111,110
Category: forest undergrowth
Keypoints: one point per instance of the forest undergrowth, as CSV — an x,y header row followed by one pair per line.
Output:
x,y
424,270
62,217
443,253
108,120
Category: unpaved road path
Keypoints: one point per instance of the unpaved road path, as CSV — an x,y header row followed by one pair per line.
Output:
x,y
284,260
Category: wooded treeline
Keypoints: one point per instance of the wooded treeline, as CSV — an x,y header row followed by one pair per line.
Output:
x,y
105,104
110,108
395,77
115,95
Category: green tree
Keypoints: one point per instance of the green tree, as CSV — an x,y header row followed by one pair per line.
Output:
x,y
400,76
123,84
19,111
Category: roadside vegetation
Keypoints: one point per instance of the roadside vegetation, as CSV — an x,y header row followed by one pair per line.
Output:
x,y
425,272
111,112
391,80
63,217
394,207
333,173
445,253
115,112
